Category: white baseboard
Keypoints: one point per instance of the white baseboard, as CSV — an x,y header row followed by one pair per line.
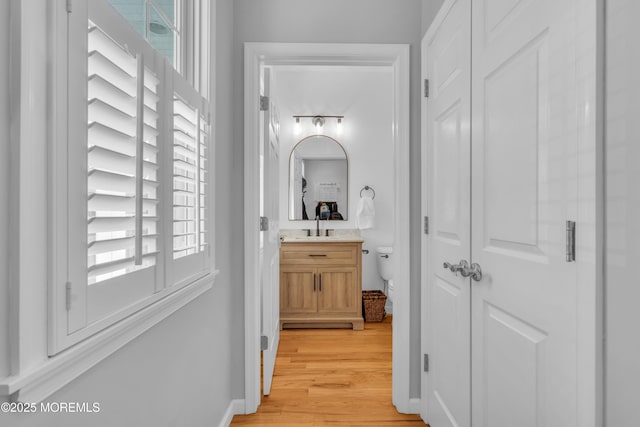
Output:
x,y
236,407
414,405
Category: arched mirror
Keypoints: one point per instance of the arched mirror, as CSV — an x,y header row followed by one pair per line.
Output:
x,y
318,179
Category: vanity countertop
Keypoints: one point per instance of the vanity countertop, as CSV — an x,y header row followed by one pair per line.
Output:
x,y
324,239
300,236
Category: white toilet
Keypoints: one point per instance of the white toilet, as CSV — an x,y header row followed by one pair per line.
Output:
x,y
385,270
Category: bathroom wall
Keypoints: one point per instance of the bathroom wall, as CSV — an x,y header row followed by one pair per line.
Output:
x,y
364,96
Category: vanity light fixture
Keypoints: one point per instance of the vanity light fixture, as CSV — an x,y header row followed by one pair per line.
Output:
x,y
318,121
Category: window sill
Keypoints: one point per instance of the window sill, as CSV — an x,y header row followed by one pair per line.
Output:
x,y
40,382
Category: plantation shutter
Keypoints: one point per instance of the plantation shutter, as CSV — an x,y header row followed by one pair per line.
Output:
x,y
190,135
135,191
122,160
189,248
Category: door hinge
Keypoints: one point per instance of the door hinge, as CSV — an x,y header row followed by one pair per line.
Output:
x,y
426,225
264,342
426,88
426,363
571,241
264,103
264,223
69,6
68,295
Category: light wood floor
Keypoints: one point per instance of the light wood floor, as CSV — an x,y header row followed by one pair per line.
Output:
x,y
335,377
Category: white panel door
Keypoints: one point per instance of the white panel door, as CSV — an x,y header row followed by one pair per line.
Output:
x,y
523,191
446,48
269,238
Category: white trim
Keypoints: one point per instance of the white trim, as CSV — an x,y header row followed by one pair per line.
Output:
x,y
236,407
414,405
397,57
40,382
251,231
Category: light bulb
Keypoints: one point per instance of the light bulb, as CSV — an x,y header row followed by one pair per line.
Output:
x,y
339,126
318,121
297,128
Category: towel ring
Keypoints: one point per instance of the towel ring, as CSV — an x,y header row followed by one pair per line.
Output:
x,y
366,187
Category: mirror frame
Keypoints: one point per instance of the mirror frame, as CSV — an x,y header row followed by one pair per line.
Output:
x,y
293,149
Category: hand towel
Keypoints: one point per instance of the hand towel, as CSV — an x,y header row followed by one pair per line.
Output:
x,y
366,213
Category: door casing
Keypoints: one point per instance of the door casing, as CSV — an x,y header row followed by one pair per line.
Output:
x,y
395,56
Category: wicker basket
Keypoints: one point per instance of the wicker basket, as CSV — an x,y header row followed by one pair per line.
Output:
x,y
373,305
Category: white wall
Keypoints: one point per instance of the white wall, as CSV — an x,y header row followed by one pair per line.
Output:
x,y
179,373
622,252
4,184
365,97
429,10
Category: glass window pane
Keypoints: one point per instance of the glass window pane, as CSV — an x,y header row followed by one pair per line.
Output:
x,y
159,16
161,34
168,8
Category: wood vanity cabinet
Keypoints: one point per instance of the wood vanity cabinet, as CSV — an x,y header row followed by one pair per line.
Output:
x,y
321,284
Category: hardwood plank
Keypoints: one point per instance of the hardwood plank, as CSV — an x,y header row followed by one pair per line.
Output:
x,y
333,377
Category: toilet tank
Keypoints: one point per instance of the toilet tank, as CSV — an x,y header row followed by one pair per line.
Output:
x,y
385,262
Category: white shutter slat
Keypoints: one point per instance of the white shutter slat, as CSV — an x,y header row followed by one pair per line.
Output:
x,y
183,139
182,166
127,243
184,110
184,125
110,116
184,179
107,224
104,182
99,65
151,81
109,138
99,88
184,152
151,97
106,203
105,46
110,160
123,266
150,118
150,134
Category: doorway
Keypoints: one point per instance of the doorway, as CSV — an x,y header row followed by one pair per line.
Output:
x,y
397,58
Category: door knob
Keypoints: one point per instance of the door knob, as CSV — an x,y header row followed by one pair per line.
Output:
x,y
460,267
474,271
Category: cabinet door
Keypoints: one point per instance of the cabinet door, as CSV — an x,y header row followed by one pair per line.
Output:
x,y
338,291
298,290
